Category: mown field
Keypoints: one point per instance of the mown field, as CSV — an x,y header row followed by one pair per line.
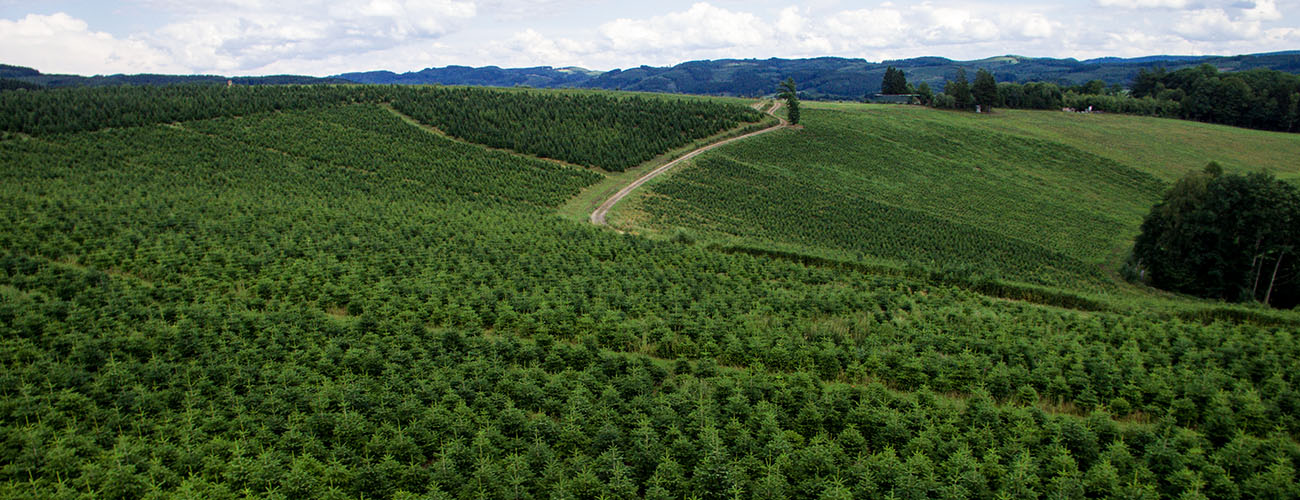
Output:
x,y
326,301
1045,198
1163,147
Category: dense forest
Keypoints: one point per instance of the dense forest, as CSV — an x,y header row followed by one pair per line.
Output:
x,y
1223,236
823,78
316,299
1258,98
37,79
12,84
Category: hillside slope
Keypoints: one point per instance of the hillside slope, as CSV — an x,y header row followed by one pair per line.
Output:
x,y
332,301
1039,197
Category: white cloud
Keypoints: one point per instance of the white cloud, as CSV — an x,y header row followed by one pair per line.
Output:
x,y
703,26
881,27
1144,4
1215,25
60,43
530,48
527,10
791,22
947,25
1263,10
797,33
244,36
1029,25
322,37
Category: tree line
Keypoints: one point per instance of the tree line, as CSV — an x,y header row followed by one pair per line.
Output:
x,y
1258,98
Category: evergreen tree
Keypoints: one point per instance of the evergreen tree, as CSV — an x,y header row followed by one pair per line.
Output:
x,y
894,82
959,89
791,96
985,90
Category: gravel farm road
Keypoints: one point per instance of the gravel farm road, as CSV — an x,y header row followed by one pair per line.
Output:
x,y
598,216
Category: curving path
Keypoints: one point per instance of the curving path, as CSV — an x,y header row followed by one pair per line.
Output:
x,y
598,216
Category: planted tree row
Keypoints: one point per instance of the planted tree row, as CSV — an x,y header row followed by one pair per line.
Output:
x,y
596,130
290,232
587,129
917,187
328,302
205,401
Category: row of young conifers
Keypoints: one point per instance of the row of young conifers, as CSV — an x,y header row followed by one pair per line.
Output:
x,y
596,130
322,301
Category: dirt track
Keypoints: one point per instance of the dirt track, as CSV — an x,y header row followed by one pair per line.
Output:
x,y
598,216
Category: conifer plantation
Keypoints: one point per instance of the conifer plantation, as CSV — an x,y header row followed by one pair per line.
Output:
x,y
342,292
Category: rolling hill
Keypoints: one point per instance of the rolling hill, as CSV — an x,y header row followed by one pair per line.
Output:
x,y
1046,198
308,292
820,78
829,78
35,77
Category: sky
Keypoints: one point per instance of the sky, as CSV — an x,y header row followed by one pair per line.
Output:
x,y
318,37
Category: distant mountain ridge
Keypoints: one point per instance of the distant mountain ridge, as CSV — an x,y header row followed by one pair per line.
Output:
x,y
35,77
541,76
818,78
822,77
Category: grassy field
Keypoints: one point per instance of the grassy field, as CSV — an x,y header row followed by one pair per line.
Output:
x,y
1165,148
1038,197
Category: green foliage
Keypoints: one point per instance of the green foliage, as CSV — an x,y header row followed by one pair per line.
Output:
x,y
329,302
771,204
587,129
894,82
985,90
919,188
1258,98
1033,95
926,95
791,96
1219,236
1145,106
960,91
13,84
82,109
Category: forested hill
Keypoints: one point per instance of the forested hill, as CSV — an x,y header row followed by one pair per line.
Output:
x,y
491,76
35,77
818,78
823,77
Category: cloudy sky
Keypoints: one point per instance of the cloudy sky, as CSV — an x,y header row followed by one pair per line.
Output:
x,y
319,37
